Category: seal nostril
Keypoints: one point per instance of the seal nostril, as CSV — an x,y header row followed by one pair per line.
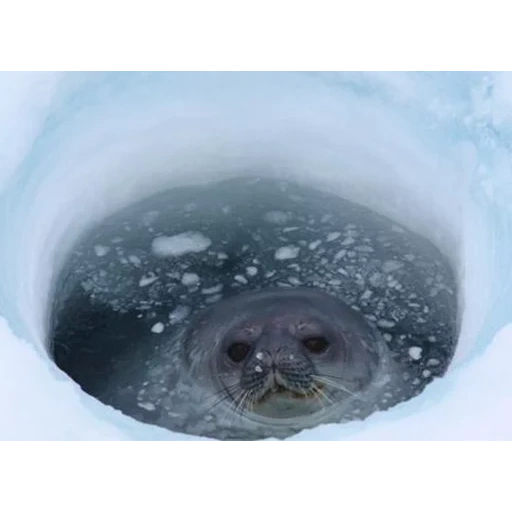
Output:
x,y
317,345
238,351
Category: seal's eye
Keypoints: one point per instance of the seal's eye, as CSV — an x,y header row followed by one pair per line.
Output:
x,y
316,345
238,351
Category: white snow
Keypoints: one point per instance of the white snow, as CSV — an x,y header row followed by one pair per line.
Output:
x,y
251,271
443,185
177,245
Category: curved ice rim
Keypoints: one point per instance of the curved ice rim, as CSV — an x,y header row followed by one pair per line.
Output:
x,y
414,147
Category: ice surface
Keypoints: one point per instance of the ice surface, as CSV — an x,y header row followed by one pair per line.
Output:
x,y
431,151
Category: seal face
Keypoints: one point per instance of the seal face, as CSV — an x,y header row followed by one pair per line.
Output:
x,y
284,358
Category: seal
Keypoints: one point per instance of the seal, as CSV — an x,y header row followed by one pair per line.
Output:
x,y
271,363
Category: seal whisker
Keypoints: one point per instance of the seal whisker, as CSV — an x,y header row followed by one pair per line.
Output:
x,y
252,400
314,392
222,393
229,410
237,408
336,385
217,398
240,403
321,394
334,378
234,406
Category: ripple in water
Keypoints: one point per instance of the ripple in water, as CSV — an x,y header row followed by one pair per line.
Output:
x,y
134,281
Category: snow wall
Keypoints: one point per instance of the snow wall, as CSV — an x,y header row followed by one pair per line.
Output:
x,y
431,150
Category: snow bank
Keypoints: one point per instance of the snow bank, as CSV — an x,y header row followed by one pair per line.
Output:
x,y
429,150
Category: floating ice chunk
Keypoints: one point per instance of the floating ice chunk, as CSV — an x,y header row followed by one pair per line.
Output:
x,y
415,353
177,245
366,294
178,314
276,217
147,280
391,266
149,217
148,406
385,323
241,279
189,279
333,236
158,328
101,250
213,289
287,253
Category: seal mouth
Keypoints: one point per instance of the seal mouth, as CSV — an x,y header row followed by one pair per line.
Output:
x,y
283,392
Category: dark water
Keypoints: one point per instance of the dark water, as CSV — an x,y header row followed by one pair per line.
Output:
x,y
117,303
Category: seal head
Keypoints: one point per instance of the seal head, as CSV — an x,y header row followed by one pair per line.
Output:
x,y
285,358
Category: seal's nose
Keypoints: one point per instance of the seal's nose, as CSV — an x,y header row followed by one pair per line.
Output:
x,y
268,358
272,353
